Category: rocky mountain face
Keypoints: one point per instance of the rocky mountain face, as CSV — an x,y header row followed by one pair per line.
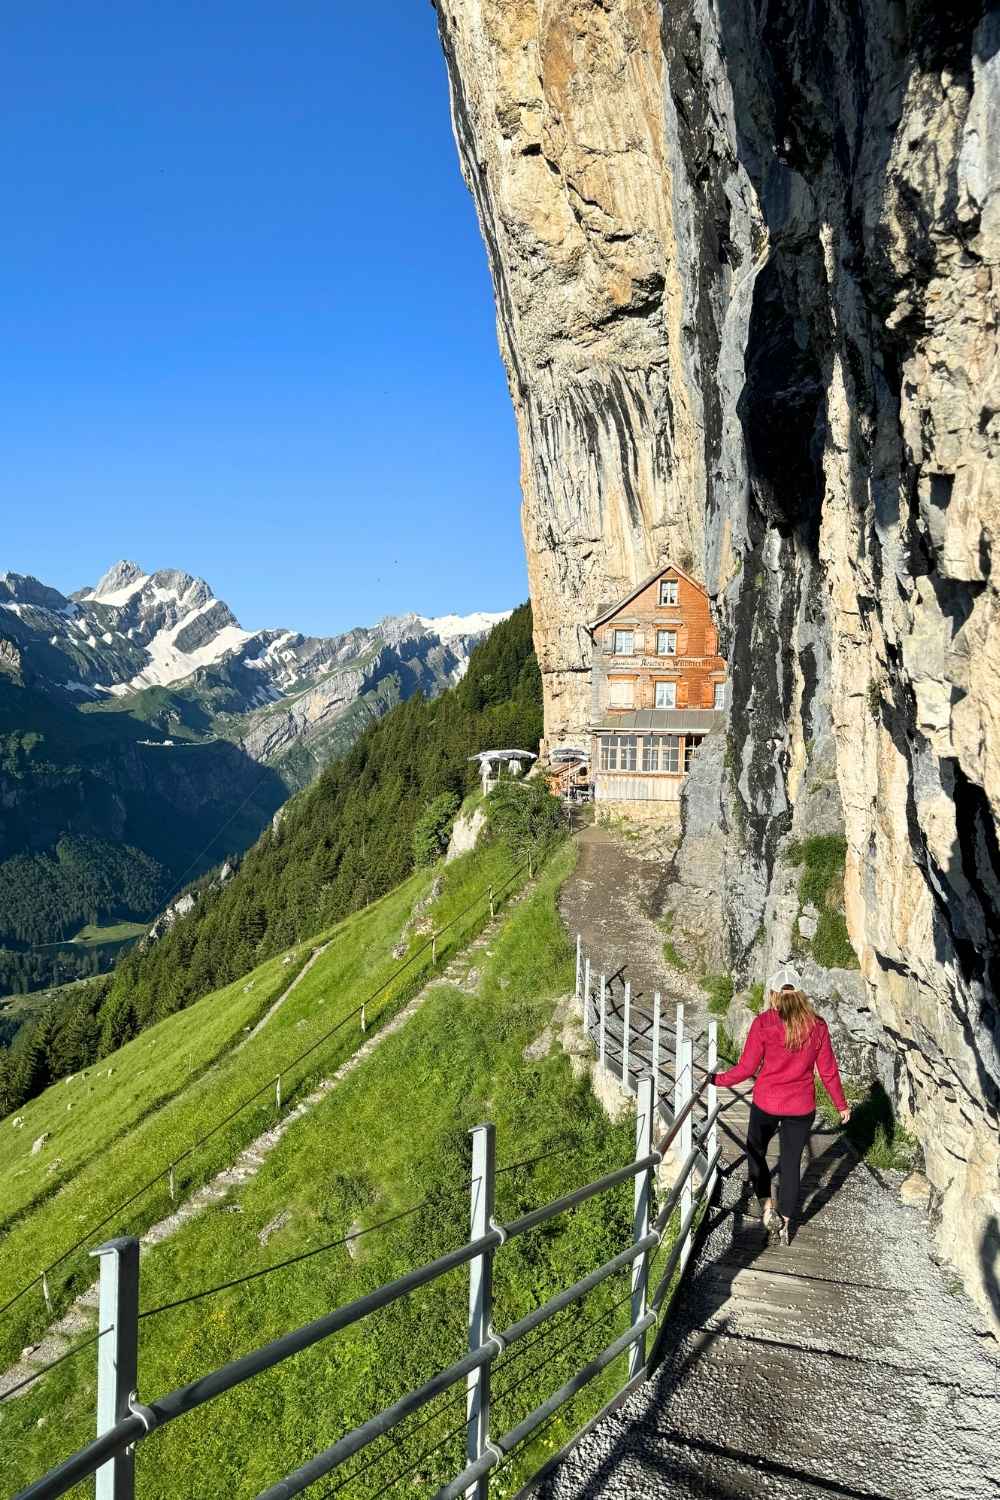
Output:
x,y
745,257
265,690
144,734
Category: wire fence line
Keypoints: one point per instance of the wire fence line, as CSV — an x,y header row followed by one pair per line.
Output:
x,y
165,1174
61,1359
123,1423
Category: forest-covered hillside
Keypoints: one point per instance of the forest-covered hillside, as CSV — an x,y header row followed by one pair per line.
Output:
x,y
336,846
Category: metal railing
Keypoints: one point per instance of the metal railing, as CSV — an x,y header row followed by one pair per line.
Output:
x,y
124,1422
488,898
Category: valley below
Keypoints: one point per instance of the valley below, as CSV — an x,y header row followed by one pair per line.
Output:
x,y
145,736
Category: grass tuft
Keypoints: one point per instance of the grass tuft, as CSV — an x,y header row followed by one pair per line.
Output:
x,y
673,958
719,989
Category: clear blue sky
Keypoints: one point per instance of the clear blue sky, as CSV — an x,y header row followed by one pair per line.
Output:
x,y
246,323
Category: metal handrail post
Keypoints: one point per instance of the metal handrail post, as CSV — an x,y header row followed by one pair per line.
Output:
x,y
117,1358
579,963
626,1033
604,1021
645,1105
685,1082
483,1193
712,1143
656,1045
678,1038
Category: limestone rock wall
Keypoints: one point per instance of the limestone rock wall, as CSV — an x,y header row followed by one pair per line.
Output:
x,y
745,255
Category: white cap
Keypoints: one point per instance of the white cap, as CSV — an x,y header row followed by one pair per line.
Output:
x,y
784,978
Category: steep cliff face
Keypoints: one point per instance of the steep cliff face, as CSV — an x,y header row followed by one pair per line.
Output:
x,y
746,266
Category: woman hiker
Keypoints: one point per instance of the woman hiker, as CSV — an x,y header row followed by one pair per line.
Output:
x,y
786,1042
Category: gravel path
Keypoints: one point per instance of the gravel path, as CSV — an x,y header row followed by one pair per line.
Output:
x,y
847,1364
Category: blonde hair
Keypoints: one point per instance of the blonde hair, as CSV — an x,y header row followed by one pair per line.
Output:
x,y
797,1013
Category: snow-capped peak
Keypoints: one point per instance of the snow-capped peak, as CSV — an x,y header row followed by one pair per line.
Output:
x,y
118,584
448,627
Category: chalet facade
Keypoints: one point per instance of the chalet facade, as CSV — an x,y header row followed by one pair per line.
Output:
x,y
659,686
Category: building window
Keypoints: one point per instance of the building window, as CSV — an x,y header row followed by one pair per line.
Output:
x,y
666,695
621,693
623,643
650,754
618,752
668,591
666,643
690,745
670,754
720,695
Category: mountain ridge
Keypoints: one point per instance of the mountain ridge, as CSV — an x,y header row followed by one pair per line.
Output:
x,y
140,722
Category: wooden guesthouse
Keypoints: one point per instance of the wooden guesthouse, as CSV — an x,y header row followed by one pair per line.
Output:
x,y
658,685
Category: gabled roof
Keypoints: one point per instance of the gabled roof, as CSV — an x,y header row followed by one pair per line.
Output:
x,y
667,567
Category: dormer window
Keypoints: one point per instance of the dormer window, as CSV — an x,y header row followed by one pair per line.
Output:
x,y
668,591
624,641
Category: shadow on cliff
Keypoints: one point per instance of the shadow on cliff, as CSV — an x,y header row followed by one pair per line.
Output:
x,y
989,1260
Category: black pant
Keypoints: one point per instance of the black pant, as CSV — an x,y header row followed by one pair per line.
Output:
x,y
793,1134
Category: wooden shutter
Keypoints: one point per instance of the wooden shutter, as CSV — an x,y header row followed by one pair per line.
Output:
x,y
682,693
707,694
711,641
609,642
638,642
682,640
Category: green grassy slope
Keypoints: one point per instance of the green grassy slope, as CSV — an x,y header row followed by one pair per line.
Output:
x,y
175,1081
394,1135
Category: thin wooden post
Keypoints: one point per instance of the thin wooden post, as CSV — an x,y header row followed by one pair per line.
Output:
x,y
117,1358
364,1026
277,1092
493,910
626,1034
434,948
644,1107
579,964
712,1144
45,1292
604,1021
480,1300
686,1081
172,1184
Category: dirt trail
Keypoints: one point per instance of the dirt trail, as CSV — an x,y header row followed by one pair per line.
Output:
x,y
613,900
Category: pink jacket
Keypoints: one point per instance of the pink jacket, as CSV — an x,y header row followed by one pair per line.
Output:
x,y
785,1082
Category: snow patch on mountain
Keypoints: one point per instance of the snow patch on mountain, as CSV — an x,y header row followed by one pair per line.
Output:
x,y
451,627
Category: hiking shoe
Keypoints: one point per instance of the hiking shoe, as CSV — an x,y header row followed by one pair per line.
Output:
x,y
770,1218
784,1233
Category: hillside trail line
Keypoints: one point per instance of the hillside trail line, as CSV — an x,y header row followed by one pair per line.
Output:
x,y
78,1319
